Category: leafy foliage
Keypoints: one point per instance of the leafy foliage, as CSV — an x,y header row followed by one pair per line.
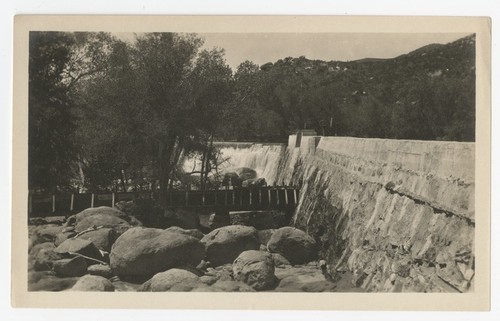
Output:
x,y
103,112
427,94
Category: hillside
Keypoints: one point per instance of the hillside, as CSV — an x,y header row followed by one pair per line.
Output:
x,y
427,94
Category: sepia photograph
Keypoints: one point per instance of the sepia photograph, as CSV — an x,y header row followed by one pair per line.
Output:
x,y
188,160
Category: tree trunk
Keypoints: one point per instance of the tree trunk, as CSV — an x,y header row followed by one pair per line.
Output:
x,y
208,169
168,156
202,171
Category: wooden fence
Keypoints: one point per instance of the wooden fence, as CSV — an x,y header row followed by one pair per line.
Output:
x,y
272,197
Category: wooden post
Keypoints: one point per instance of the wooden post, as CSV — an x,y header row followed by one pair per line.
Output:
x,y
113,200
72,203
187,198
250,200
269,196
170,198
215,197
234,202
241,197
277,197
286,196
203,199
260,196
225,197
295,196
53,203
92,201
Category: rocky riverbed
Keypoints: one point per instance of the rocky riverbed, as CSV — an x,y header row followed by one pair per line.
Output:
x,y
106,249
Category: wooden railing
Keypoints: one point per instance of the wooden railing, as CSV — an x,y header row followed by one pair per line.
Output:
x,y
232,199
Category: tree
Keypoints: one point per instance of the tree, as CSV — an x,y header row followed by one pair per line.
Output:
x,y
51,124
111,123
57,62
158,100
211,88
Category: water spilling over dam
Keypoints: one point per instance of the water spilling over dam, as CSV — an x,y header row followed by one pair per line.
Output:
x,y
263,158
397,214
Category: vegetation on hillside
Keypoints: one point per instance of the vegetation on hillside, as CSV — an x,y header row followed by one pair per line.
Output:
x,y
104,112
427,94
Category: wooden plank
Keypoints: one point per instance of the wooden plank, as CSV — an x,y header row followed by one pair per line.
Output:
x,y
260,196
277,197
53,203
269,196
113,200
72,203
92,201
295,196
250,201
286,196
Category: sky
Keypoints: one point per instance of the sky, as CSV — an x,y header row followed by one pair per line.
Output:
x,y
269,47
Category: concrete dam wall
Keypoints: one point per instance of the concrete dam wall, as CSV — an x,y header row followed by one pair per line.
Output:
x,y
399,215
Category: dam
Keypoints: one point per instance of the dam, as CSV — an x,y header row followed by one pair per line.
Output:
x,y
397,214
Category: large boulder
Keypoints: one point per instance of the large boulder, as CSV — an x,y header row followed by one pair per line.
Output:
x,y
102,238
102,220
106,210
261,220
255,268
102,216
192,232
93,283
76,266
79,247
224,244
143,252
172,280
295,245
245,173
303,279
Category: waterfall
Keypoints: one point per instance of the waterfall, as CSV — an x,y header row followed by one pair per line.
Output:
x,y
263,158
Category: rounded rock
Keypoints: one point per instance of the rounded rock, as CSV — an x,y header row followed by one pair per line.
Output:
x,y
93,283
224,244
295,245
255,268
143,252
173,279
